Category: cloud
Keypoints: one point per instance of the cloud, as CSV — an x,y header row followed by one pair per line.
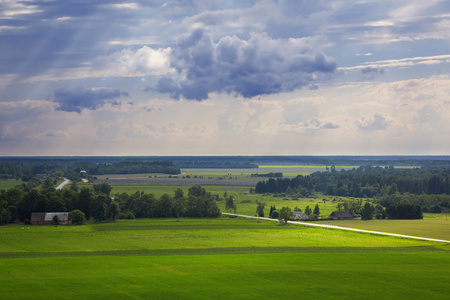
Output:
x,y
257,66
317,124
77,99
400,63
378,122
370,72
143,61
11,9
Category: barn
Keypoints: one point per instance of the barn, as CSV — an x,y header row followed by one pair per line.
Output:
x,y
42,218
340,215
300,215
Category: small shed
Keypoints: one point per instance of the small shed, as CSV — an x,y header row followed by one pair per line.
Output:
x,y
300,215
42,218
340,215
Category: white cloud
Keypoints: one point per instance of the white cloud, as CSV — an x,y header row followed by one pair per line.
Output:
x,y
403,62
143,61
10,8
128,5
61,19
378,122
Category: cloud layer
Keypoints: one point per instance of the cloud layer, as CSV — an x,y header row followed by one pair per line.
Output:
x,y
77,99
281,77
257,66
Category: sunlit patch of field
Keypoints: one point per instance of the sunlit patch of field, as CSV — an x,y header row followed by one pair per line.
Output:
x,y
215,258
435,226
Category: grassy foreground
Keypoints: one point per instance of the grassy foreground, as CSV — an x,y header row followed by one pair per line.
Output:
x,y
215,259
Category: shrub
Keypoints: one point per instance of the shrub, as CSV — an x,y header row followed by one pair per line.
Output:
x,y
78,217
275,214
127,215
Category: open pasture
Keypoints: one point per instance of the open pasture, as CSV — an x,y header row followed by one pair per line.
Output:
x,y
9,183
215,259
153,234
435,226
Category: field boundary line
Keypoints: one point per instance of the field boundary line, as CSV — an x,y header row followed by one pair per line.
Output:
x,y
343,228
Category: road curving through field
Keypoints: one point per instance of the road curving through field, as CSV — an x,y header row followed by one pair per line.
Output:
x,y
63,184
344,228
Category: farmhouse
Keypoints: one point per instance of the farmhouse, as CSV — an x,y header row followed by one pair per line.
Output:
x,y
300,215
313,217
340,215
42,218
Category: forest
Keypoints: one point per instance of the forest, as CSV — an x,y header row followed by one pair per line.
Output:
x,y
96,202
27,171
427,187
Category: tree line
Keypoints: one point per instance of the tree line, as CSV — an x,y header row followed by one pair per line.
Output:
x,y
27,171
365,181
97,203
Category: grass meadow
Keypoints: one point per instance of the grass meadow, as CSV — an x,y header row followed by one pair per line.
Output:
x,y
215,259
224,258
9,183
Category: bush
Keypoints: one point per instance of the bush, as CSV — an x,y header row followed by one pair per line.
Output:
x,y
127,215
78,217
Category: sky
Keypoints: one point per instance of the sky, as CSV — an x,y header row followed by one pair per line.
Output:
x,y
197,77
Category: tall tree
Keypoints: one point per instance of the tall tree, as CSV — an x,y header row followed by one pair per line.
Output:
x,y
316,210
285,214
260,208
308,210
367,211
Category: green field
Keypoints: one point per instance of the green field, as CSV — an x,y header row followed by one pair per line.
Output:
x,y
435,226
224,258
215,259
9,183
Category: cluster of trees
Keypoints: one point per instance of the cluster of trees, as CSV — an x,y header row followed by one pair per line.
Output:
x,y
400,208
127,167
97,202
404,211
427,187
28,171
428,203
275,214
365,181
271,175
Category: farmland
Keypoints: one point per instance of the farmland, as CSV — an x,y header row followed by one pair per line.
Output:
x,y
214,258
224,257
238,182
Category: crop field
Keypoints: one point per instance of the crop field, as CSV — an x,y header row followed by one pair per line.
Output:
x,y
215,258
432,226
9,183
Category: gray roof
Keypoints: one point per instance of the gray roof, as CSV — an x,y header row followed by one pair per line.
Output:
x,y
48,216
37,217
300,215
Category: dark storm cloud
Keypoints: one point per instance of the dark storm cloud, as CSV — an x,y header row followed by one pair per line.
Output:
x,y
77,99
257,66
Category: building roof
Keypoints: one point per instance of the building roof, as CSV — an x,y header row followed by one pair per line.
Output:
x,y
300,215
48,216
